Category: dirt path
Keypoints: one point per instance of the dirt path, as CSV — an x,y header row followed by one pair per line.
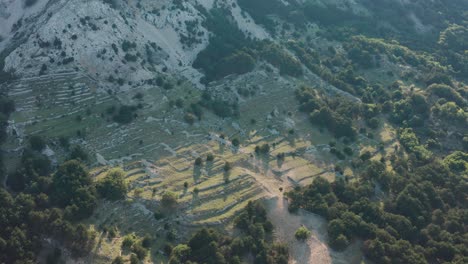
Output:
x,y
314,250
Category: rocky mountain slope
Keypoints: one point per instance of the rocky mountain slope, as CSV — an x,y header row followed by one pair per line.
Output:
x,y
284,91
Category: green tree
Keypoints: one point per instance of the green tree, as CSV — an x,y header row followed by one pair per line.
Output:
x,y
235,142
37,143
180,254
169,200
78,153
198,162
118,260
113,186
73,188
302,233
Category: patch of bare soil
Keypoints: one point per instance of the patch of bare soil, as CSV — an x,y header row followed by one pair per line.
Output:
x,y
314,249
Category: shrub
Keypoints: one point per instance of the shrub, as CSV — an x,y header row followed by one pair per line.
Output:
x,y
147,241
302,233
140,251
209,157
198,161
78,153
118,260
227,166
111,3
169,200
340,243
113,186
134,259
373,123
37,143
28,3
190,118
125,114
128,241
158,215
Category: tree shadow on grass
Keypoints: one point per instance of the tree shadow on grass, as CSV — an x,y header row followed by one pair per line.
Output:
x,y
265,162
196,173
209,168
226,175
222,147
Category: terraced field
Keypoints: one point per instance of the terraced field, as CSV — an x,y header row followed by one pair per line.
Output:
x,y
50,104
158,150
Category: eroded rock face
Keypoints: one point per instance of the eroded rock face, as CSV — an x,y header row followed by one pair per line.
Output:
x,y
88,36
14,13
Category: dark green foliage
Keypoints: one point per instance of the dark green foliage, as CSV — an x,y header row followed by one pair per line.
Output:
x,y
279,58
27,217
73,190
130,57
453,41
263,149
410,109
225,47
127,45
139,251
169,200
448,93
128,241
158,215
260,10
457,161
230,52
210,157
198,161
227,166
35,167
78,153
235,142
411,143
37,143
146,242
29,3
134,259
220,107
311,59
337,119
7,106
125,114
113,186
302,233
339,125
408,228
209,246
118,260
239,62
190,118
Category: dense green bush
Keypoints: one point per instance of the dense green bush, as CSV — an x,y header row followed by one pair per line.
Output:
x,y
37,143
29,3
210,246
113,186
169,200
74,190
302,233
407,228
338,120
125,114
225,53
